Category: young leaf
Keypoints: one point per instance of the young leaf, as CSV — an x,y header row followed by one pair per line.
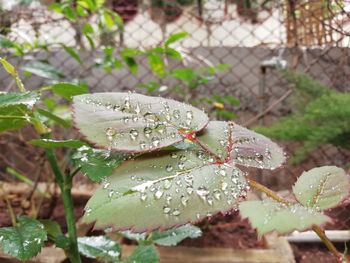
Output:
x,y
22,98
245,146
323,187
52,144
72,53
175,37
96,164
24,240
99,247
134,122
268,215
164,189
144,254
174,236
68,90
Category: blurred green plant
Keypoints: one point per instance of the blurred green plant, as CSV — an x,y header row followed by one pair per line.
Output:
x,y
320,116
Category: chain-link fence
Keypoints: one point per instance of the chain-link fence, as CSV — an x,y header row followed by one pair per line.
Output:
x,y
256,37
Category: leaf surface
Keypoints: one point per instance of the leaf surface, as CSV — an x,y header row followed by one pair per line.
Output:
x,y
99,247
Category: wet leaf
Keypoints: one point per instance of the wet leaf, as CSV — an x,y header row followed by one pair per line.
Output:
x,y
24,240
144,254
323,187
174,236
247,148
95,163
27,99
52,144
134,122
99,247
268,215
164,189
68,90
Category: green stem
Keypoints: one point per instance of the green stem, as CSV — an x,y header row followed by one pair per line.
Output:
x,y
65,184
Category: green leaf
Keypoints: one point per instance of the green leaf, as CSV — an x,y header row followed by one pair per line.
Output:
x,y
156,64
54,118
52,144
43,69
132,64
88,29
108,20
133,122
68,90
246,147
72,53
27,99
8,67
173,54
13,117
144,254
175,37
24,240
268,215
229,115
134,236
96,164
164,189
52,228
99,247
174,236
322,188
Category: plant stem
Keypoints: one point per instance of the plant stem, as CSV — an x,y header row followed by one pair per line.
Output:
x,y
320,232
315,228
65,184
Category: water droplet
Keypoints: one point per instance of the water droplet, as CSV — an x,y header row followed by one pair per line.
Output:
x,y
181,165
168,198
134,134
189,115
143,145
222,172
184,200
158,194
217,194
189,190
169,168
167,184
110,133
210,200
173,155
150,117
202,191
183,158
176,114
166,209
147,131
224,186
110,193
126,120
176,212
143,196
155,141
137,109
160,128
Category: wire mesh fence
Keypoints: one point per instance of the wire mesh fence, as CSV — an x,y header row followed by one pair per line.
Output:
x,y
255,37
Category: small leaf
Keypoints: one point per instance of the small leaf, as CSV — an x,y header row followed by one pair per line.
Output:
x,y
96,164
23,98
24,240
72,53
174,236
52,228
134,122
175,37
8,67
68,90
268,215
323,187
144,254
54,118
156,64
43,69
99,247
52,144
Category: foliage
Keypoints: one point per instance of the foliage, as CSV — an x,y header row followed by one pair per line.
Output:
x,y
321,117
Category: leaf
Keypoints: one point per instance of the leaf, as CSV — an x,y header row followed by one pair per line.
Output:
x,y
175,37
156,64
68,90
99,247
24,240
144,254
134,122
96,164
134,236
8,67
52,144
322,188
72,53
174,236
27,99
164,189
268,215
54,118
52,228
247,148
43,69
13,117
